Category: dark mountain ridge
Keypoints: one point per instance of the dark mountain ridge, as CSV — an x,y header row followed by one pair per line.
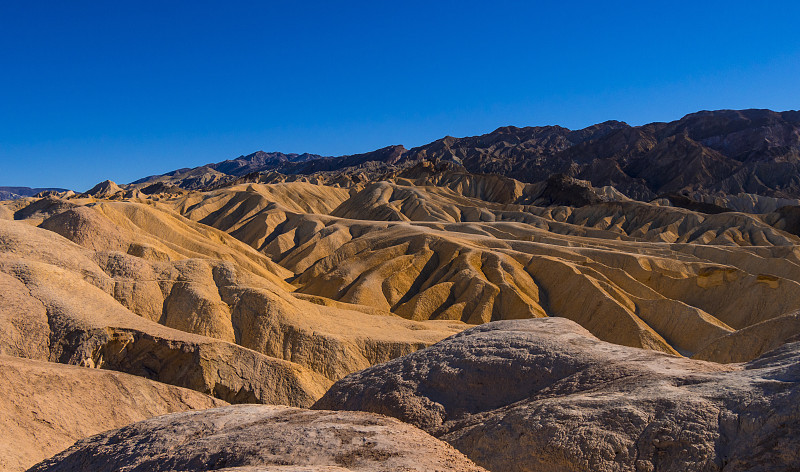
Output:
x,y
709,152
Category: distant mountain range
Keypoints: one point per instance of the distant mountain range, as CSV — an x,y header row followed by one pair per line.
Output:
x,y
708,152
12,193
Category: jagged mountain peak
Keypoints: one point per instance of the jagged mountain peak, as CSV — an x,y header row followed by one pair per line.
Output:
x,y
751,151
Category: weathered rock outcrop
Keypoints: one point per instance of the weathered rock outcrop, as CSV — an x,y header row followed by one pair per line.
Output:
x,y
545,395
250,437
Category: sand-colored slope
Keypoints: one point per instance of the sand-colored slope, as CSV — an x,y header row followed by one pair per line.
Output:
x,y
47,406
240,202
148,292
387,201
754,340
152,233
77,322
636,274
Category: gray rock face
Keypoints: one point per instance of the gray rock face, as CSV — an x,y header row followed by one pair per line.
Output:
x,y
257,438
545,395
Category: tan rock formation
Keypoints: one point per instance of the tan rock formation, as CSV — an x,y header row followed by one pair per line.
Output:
x,y
753,341
456,264
104,189
668,279
213,314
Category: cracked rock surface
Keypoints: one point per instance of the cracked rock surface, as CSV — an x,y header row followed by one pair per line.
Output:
x,y
546,395
247,438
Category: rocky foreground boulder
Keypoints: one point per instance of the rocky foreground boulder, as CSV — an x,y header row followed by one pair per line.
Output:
x,y
246,438
546,395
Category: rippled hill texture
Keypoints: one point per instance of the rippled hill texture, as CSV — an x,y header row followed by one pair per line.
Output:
x,y
511,302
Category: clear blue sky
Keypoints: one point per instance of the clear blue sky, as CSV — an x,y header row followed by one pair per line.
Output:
x,y
124,89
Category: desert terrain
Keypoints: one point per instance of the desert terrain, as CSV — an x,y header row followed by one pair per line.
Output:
x,y
615,298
